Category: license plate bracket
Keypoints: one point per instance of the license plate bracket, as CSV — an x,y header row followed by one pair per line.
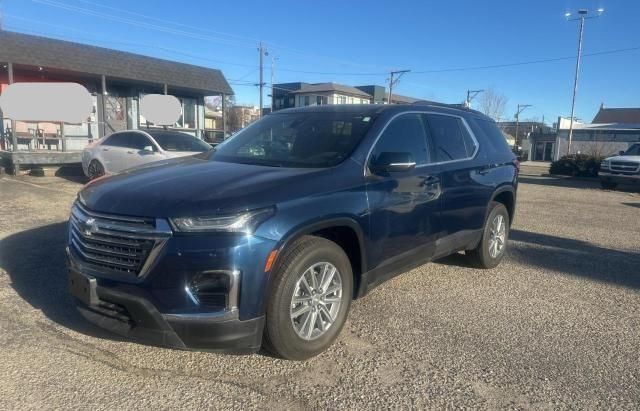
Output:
x,y
83,288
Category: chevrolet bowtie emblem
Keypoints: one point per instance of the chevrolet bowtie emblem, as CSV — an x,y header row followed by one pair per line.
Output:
x,y
90,226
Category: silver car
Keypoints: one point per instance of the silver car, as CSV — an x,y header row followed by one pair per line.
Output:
x,y
126,149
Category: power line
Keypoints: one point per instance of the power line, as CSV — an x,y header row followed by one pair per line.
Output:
x,y
248,40
141,24
522,63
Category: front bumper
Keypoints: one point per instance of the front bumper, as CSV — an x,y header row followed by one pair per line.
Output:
x,y
136,318
619,178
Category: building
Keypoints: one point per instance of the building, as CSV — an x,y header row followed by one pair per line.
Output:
x,y
213,124
599,139
535,138
241,116
299,94
116,80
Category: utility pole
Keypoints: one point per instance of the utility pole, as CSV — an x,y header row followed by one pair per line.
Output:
x,y
263,52
393,82
521,108
582,16
273,63
471,94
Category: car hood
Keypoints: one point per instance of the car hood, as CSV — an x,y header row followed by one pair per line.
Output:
x,y
191,186
624,158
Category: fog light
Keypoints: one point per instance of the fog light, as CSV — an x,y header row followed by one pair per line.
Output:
x,y
215,289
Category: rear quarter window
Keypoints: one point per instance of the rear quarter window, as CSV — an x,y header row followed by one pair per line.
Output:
x,y
494,136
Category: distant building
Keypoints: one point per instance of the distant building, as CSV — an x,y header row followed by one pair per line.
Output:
x,y
536,138
617,115
241,116
117,81
601,139
299,94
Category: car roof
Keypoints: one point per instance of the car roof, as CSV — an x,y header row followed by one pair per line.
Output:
x,y
372,109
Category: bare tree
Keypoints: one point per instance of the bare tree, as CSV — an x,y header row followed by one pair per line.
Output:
x,y
493,104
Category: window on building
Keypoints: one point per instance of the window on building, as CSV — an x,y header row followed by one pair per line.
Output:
x,y
188,114
341,100
350,100
450,138
320,100
405,134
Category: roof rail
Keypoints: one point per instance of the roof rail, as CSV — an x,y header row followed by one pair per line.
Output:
x,y
437,104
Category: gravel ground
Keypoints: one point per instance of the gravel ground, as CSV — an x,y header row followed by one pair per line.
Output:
x,y
554,327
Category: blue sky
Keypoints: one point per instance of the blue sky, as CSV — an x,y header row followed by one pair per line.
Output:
x,y
357,42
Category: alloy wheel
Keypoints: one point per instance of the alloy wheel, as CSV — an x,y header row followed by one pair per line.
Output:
x,y
498,236
316,300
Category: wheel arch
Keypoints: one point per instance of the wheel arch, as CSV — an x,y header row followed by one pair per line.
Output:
x,y
505,195
343,231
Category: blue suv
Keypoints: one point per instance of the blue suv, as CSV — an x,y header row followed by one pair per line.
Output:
x,y
266,239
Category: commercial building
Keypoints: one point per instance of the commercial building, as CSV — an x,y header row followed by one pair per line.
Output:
x,y
116,80
610,131
300,94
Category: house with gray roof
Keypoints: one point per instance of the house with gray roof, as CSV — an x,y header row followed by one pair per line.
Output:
x,y
300,94
116,80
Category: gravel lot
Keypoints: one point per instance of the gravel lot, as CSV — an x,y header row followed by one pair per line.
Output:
x,y
555,326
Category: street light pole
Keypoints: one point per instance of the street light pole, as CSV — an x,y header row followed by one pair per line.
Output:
x,y
582,16
471,94
392,81
521,108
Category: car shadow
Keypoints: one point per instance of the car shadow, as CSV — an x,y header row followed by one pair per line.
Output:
x,y
570,182
567,256
35,262
576,257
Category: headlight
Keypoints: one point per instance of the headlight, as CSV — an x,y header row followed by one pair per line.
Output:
x,y
245,222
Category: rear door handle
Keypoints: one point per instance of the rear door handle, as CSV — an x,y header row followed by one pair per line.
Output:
x,y
105,149
131,152
484,170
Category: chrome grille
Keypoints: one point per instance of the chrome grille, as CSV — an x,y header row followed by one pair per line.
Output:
x,y
113,243
624,166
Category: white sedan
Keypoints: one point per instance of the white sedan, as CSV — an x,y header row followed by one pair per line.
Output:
x,y
126,149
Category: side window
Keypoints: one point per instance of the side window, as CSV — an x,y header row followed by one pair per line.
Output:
x,y
450,137
116,140
404,134
494,135
138,141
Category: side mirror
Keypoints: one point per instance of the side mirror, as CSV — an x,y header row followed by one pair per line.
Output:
x,y
148,149
621,152
390,162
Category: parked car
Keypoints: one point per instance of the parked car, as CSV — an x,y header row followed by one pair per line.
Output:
x,y
621,169
126,149
270,236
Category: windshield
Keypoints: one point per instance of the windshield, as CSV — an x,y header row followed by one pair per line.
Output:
x,y
304,139
177,141
634,150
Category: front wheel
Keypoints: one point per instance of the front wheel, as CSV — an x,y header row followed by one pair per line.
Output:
x,y
310,297
95,170
493,244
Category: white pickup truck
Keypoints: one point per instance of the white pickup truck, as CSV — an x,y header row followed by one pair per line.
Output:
x,y
621,169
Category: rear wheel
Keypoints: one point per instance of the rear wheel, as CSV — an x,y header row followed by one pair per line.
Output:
x,y
607,185
95,170
310,298
493,244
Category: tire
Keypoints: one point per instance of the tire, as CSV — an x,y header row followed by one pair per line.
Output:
x,y
608,185
484,256
95,170
288,337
